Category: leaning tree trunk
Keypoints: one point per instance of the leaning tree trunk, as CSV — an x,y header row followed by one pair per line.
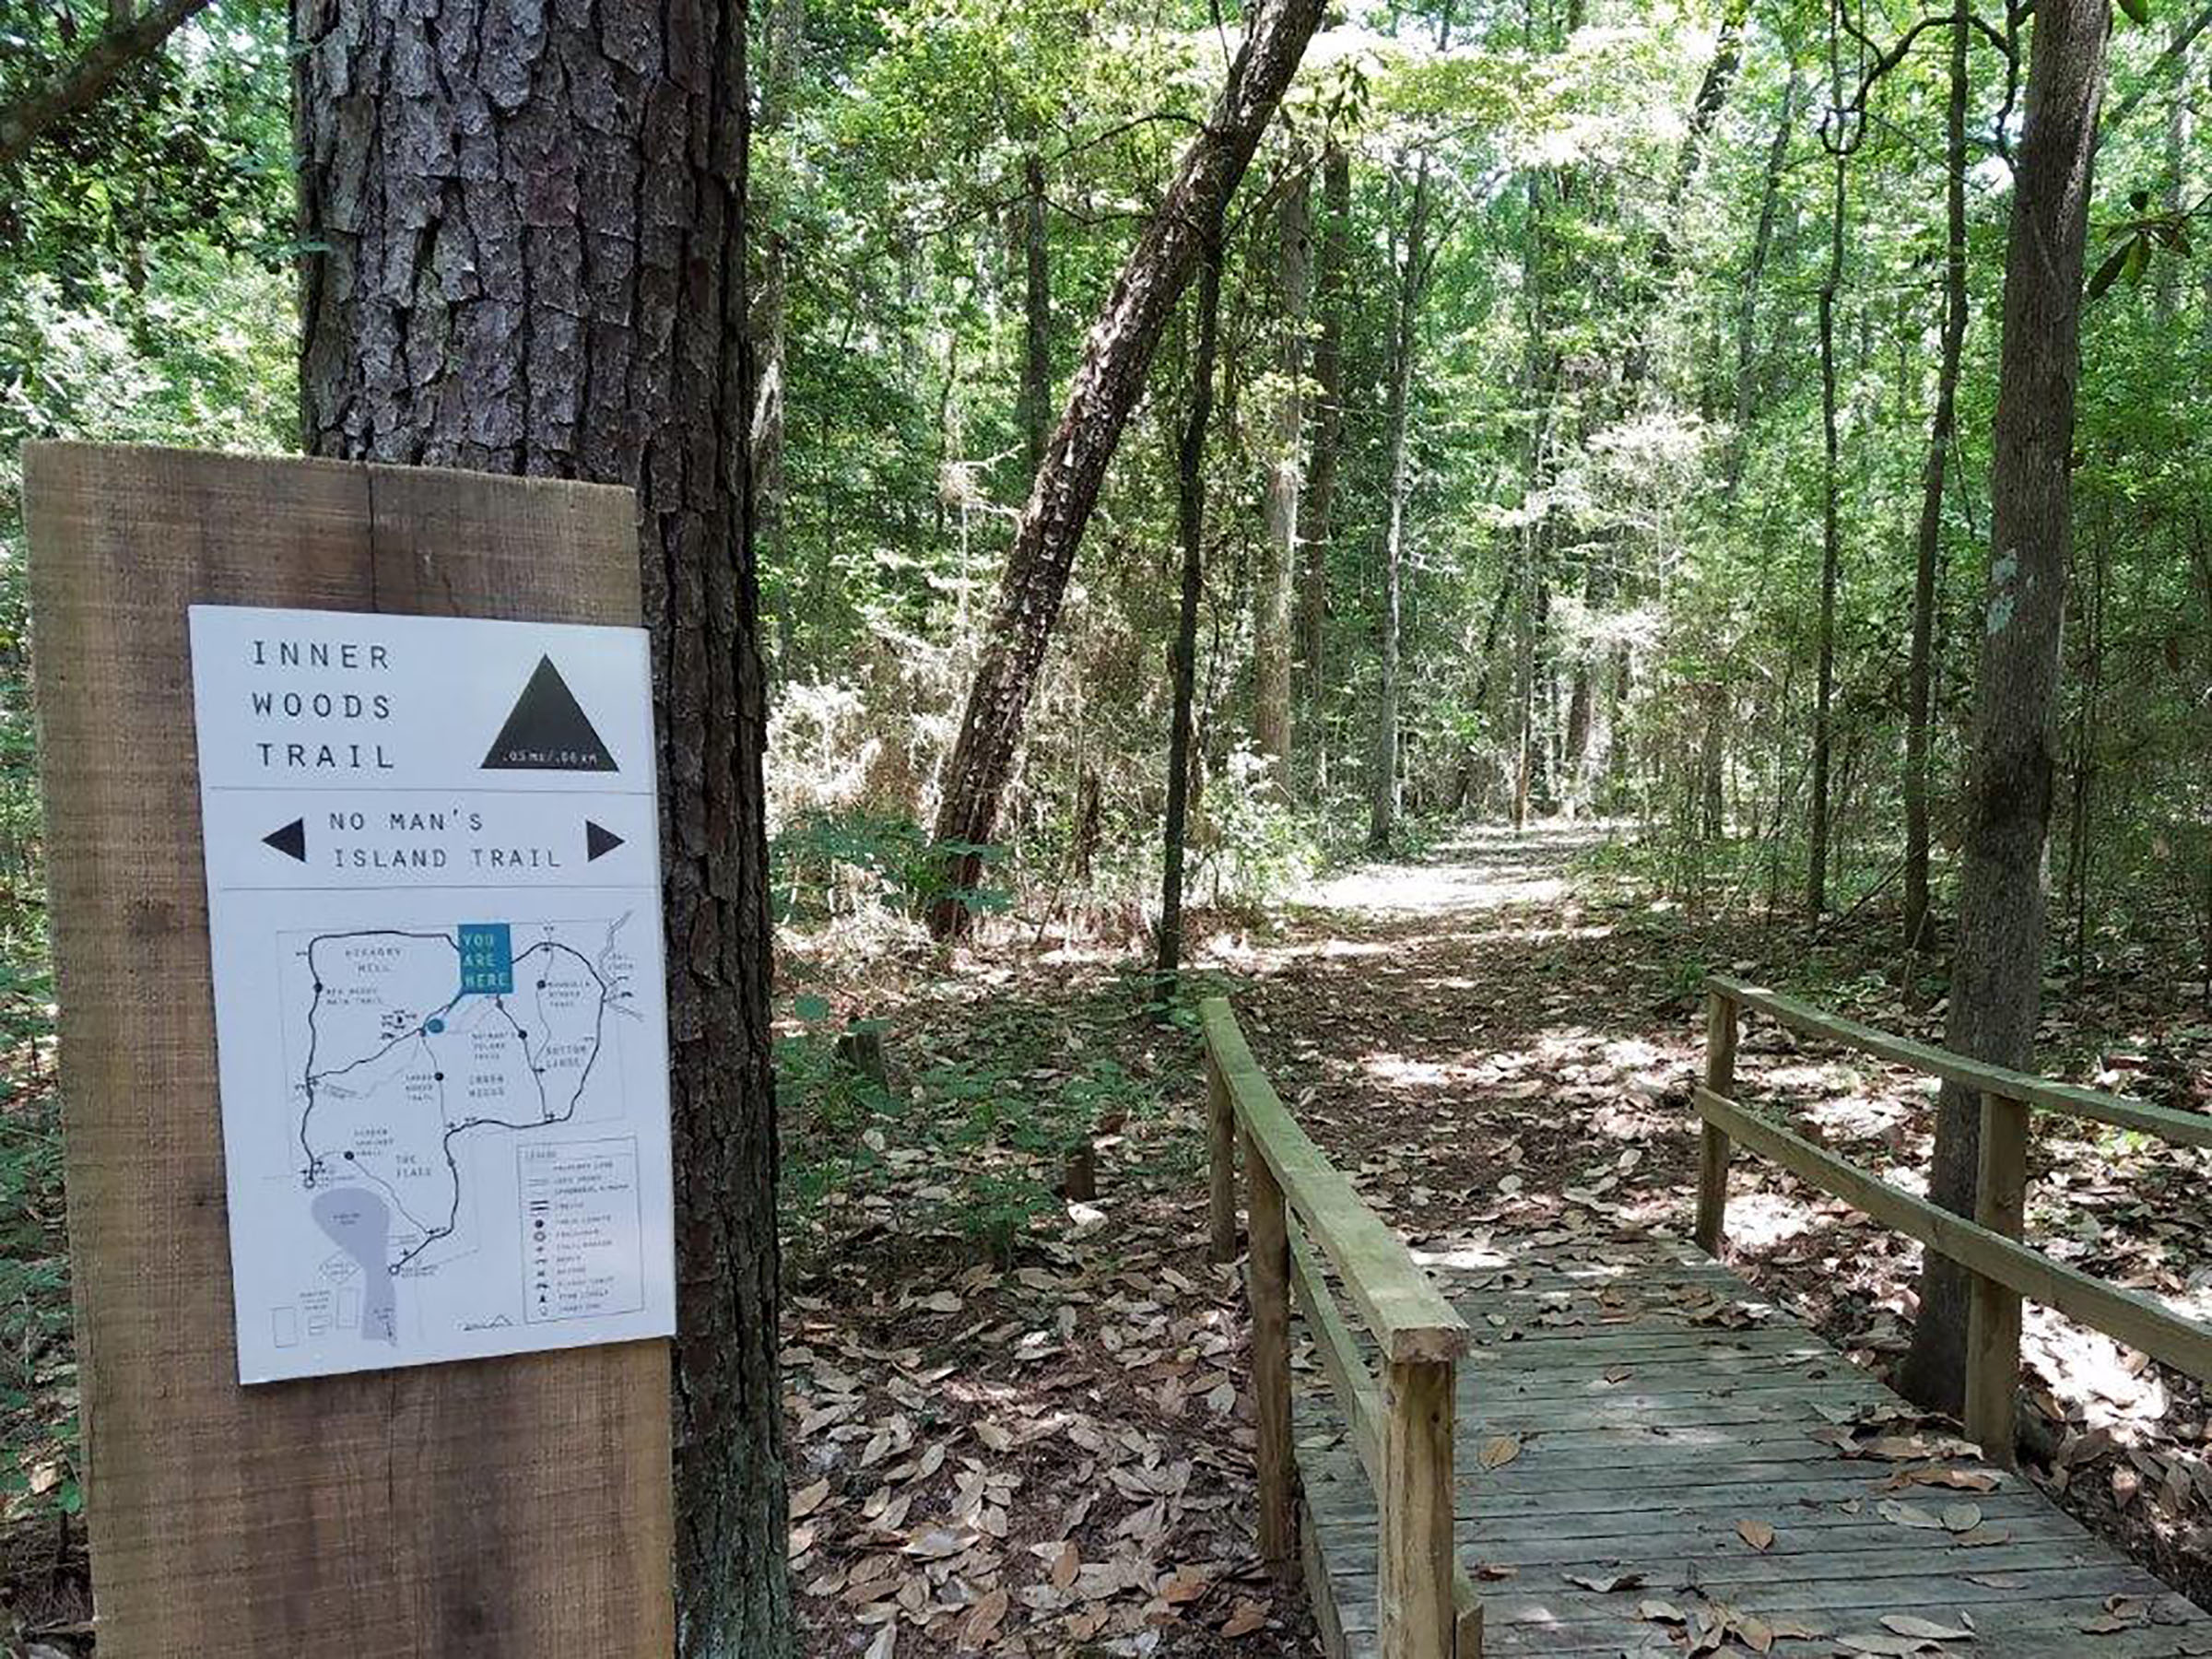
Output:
x,y
1997,972
1928,541
1272,581
1382,784
1190,526
1107,385
482,290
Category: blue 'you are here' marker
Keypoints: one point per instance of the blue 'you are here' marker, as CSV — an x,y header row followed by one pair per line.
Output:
x,y
487,959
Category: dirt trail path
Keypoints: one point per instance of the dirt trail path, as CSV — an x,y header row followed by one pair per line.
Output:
x,y
1446,1025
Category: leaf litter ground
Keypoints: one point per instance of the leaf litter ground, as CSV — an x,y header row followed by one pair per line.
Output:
x,y
1020,1427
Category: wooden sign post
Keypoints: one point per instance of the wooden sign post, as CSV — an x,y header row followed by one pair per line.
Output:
x,y
515,1506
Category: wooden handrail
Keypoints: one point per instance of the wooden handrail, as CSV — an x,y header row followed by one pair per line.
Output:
x,y
1407,1316
1401,1424
2004,1270
2188,1128
2126,1315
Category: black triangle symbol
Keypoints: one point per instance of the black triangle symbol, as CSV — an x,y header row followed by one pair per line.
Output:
x,y
290,841
598,841
548,730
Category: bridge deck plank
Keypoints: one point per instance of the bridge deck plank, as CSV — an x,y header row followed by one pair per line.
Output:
x,y
1645,1422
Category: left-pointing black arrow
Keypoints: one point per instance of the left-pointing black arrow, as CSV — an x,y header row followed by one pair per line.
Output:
x,y
290,841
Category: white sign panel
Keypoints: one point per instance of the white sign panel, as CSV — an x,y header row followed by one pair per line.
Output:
x,y
433,898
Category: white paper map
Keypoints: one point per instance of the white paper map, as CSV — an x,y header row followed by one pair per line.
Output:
x,y
433,905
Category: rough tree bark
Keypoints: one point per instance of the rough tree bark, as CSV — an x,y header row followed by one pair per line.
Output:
x,y
1996,971
1831,555
1279,557
1190,526
1106,387
1320,503
528,255
1927,547
128,37
1382,784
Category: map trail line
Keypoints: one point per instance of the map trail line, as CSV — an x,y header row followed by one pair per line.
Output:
x,y
421,1032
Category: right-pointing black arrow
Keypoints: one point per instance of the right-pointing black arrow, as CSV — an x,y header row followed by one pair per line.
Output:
x,y
290,841
598,841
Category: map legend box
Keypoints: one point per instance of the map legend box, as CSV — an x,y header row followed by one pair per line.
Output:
x,y
580,1230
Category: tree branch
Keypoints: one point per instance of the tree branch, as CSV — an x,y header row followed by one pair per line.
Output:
x,y
80,85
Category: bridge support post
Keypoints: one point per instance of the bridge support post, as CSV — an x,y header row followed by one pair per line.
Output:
x,y
1221,1168
1269,1286
1415,1502
1993,1331
1712,1147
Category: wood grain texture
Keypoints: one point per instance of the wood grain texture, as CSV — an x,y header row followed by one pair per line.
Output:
x,y
510,1507
1657,1504
1721,1032
1414,1496
1221,1165
1270,1288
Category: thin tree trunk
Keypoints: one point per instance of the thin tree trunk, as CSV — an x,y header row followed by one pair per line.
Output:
x,y
2089,737
1190,524
1927,547
1107,385
2168,271
1763,242
1320,503
1996,971
1037,319
1383,784
627,255
1271,588
1832,555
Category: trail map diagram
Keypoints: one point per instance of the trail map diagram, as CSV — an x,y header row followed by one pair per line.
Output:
x,y
440,994
422,1051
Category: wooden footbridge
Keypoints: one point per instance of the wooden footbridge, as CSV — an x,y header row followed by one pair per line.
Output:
x,y
1619,1448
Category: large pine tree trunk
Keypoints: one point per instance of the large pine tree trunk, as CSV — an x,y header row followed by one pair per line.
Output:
x,y
1382,782
1996,973
1278,560
528,256
1107,385
1928,540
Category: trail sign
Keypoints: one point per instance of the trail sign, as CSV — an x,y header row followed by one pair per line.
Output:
x,y
433,907
504,1507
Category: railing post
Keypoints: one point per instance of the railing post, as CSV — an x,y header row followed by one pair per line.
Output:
x,y
1270,1291
1712,1144
1415,1502
1992,1329
1222,1172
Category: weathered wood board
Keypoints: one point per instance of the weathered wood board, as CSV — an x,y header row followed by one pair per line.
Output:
x,y
1641,1435
511,1507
